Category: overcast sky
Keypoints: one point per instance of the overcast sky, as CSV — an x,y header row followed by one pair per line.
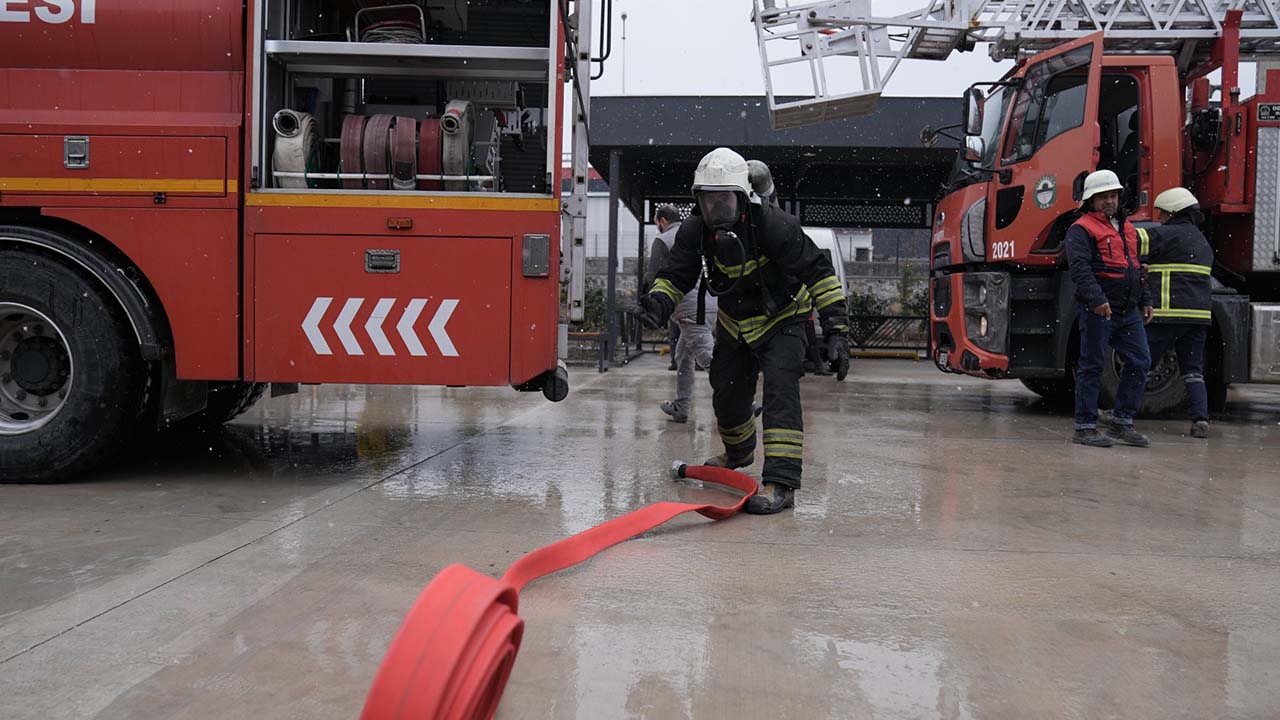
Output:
x,y
708,47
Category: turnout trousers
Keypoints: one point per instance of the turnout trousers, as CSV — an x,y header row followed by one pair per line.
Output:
x,y
735,366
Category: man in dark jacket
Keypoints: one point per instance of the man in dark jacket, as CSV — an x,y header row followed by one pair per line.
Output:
x,y
1179,261
768,277
1102,257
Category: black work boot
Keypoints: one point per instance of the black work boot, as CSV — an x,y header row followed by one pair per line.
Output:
x,y
1127,435
1200,429
1091,437
723,460
772,498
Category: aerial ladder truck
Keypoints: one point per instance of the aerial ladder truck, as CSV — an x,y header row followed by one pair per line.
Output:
x,y
1116,84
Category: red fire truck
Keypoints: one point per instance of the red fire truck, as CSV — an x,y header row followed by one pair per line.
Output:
x,y
199,199
1117,85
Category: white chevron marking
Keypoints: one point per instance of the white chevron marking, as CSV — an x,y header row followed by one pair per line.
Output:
x,y
437,330
405,328
311,326
374,326
343,326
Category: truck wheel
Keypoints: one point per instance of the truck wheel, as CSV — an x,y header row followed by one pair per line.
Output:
x,y
1061,391
71,376
227,401
1165,390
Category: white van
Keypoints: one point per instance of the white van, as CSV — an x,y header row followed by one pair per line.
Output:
x,y
825,239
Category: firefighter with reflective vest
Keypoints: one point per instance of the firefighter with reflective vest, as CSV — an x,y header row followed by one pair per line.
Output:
x,y
1102,258
768,276
1179,260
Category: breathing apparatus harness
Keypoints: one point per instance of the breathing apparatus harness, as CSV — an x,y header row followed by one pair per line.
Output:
x,y
721,237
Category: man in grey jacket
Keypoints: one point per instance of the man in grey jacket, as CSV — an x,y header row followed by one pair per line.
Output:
x,y
694,340
665,217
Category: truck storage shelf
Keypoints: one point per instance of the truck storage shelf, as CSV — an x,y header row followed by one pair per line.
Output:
x,y
353,59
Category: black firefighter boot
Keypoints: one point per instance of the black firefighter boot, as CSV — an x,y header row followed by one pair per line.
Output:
x,y
723,460
772,498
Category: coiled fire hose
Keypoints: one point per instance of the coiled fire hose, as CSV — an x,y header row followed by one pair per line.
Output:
x,y
377,150
457,126
452,656
404,153
297,147
352,150
381,146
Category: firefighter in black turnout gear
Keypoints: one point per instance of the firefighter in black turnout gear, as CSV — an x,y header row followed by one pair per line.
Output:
x,y
768,277
1180,261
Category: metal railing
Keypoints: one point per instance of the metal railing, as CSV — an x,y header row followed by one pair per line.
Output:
x,y
889,332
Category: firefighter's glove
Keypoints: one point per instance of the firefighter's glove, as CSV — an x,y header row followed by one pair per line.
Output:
x,y
838,355
655,310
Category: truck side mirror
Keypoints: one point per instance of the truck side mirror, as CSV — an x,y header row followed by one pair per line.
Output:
x,y
973,105
975,147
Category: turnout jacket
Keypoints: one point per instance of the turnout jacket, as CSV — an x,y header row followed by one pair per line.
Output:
x,y
1104,265
780,275
1179,261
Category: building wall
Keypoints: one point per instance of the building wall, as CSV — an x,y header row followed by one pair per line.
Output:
x,y
597,240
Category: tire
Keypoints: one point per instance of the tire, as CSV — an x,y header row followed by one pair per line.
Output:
x,y
72,379
227,401
1165,391
1060,391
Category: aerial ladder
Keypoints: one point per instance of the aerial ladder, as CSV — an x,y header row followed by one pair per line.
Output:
x,y
820,35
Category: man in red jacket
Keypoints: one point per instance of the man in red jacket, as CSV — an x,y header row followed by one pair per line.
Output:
x,y
1102,257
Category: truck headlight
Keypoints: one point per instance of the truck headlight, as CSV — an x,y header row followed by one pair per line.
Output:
x,y
973,232
986,310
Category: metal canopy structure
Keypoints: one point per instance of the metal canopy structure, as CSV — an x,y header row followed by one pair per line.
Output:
x,y
859,172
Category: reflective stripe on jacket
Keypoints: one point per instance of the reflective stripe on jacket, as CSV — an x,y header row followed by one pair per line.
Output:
x,y
1180,261
779,277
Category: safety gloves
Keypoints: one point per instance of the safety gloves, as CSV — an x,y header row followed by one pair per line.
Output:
x,y
837,354
655,310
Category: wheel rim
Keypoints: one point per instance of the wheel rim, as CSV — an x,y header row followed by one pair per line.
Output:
x,y
1162,374
36,369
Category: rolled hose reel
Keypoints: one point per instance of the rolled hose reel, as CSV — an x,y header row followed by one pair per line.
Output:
x,y
297,147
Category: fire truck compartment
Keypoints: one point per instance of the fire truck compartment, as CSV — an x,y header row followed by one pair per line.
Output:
x,y
379,310
433,96
114,165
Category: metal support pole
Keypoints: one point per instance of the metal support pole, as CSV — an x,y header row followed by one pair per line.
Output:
x,y
640,288
611,289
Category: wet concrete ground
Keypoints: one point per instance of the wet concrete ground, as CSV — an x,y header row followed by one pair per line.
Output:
x,y
951,556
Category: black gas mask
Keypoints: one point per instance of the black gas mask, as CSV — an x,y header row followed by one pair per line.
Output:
x,y
719,208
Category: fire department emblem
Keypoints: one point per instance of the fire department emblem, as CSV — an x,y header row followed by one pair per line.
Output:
x,y
1046,192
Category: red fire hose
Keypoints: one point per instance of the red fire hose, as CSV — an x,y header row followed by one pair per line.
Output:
x,y
454,652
